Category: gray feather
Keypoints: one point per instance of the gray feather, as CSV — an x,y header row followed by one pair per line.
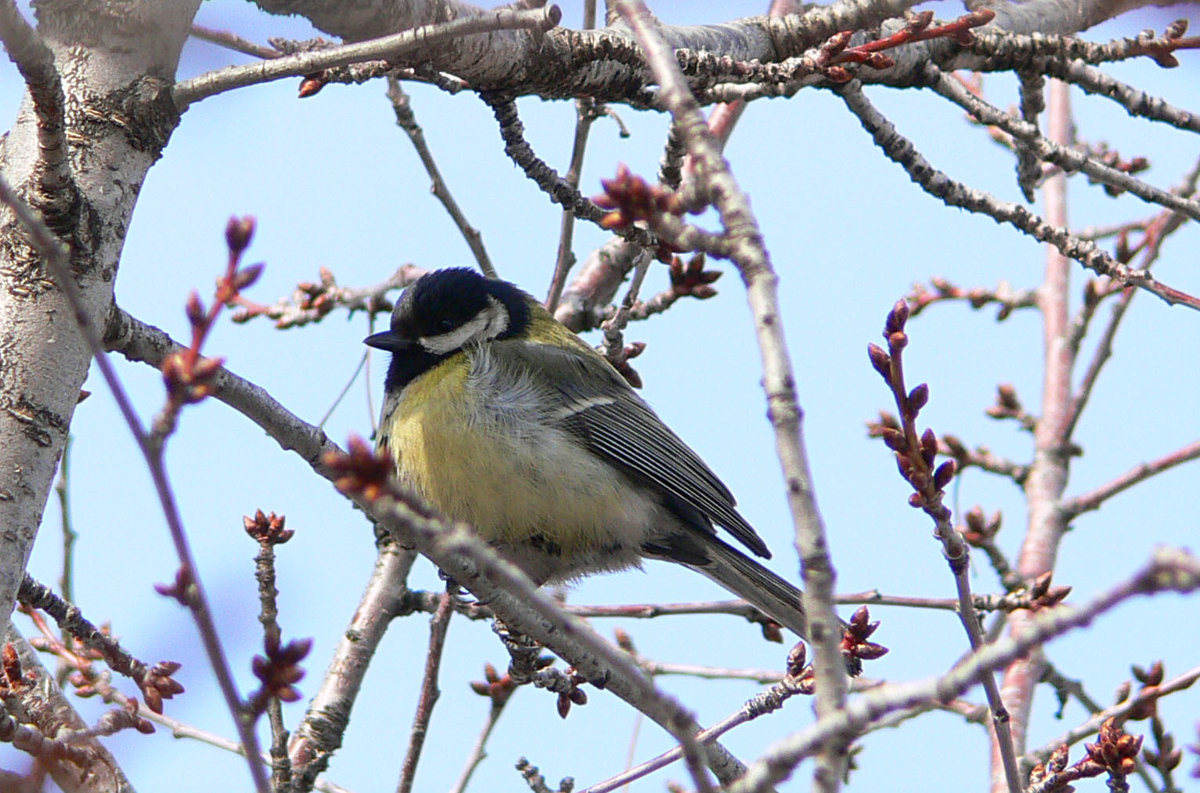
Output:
x,y
757,585
601,409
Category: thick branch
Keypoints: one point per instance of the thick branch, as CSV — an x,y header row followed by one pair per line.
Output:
x,y
392,47
455,549
55,194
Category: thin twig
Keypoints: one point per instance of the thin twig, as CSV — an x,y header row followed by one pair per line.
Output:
x,y
269,531
613,327
1059,154
1139,473
311,302
1169,569
1121,709
478,751
154,681
362,364
512,131
1156,232
770,700
1066,687
429,690
916,453
586,111
232,41
320,733
66,580
52,252
407,121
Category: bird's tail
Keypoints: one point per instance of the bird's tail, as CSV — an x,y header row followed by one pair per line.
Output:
x,y
754,583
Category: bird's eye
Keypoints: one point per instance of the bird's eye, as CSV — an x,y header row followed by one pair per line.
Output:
x,y
445,325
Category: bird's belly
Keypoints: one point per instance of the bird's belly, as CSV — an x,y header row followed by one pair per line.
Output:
x,y
561,509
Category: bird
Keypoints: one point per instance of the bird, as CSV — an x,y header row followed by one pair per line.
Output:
x,y
500,416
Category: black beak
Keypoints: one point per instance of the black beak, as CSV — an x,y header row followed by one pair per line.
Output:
x,y
388,340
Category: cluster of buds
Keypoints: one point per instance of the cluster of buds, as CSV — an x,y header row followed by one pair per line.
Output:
x,y
691,279
1042,595
915,455
799,671
980,530
278,671
188,377
1116,750
572,694
94,644
835,52
310,301
630,199
855,646
1115,753
1146,699
1167,757
361,470
620,362
495,687
1160,50
1008,405
157,684
267,529
855,649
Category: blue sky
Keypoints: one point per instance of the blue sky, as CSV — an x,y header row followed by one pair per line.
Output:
x,y
335,184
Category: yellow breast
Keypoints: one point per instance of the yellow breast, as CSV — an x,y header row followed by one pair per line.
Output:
x,y
512,483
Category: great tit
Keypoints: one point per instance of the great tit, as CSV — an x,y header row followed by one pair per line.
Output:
x,y
500,416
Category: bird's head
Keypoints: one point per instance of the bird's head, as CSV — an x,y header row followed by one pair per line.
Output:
x,y
447,310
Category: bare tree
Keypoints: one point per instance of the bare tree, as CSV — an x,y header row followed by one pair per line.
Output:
x,y
104,96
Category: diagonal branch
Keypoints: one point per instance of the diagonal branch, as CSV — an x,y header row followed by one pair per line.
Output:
x,y
749,254
1068,159
1168,570
453,548
1139,473
53,253
902,151
407,121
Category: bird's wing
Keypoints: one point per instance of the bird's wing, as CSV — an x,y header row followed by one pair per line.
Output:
x,y
602,410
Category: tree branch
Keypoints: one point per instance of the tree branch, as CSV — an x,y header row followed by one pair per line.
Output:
x,y
454,548
1168,570
749,253
55,194
1094,499
391,47
901,151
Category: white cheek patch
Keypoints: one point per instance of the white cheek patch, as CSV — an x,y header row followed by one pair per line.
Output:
x,y
486,325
